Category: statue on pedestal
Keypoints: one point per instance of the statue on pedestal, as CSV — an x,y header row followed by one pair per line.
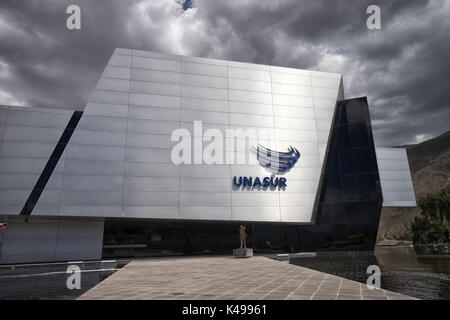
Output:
x,y
243,251
243,236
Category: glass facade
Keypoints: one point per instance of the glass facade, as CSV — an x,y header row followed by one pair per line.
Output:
x,y
347,214
350,199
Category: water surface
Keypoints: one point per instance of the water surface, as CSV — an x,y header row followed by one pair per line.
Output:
x,y
425,277
402,271
49,281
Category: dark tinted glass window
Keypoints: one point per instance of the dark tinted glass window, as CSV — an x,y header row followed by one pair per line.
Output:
x,y
345,161
342,138
349,187
356,112
369,212
334,165
353,212
367,186
342,115
324,218
351,203
358,134
337,213
364,160
340,233
334,190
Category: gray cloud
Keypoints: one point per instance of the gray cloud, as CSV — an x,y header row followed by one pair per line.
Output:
x,y
403,69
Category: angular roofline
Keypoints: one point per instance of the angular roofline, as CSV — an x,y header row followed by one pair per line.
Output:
x,y
156,54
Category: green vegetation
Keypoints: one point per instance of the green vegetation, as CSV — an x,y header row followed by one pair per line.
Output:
x,y
433,224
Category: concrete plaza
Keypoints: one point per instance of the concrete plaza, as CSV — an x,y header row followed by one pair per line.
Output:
x,y
229,278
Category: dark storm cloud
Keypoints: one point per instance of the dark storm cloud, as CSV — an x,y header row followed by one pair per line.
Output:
x,y
49,65
403,69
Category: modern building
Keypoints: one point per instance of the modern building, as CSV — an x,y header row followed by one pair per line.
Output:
x,y
103,183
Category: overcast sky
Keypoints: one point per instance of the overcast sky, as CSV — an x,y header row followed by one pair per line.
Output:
x,y
403,69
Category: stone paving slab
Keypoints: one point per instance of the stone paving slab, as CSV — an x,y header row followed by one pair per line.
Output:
x,y
229,278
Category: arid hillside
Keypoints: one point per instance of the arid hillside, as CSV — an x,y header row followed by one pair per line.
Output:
x,y
429,162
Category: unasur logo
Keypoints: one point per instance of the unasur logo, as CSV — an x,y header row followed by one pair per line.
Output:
x,y
274,161
277,162
221,150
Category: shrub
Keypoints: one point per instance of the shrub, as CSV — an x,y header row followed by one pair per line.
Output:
x,y
432,226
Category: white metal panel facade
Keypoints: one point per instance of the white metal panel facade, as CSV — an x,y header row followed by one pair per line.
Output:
x,y
143,96
48,239
395,177
28,137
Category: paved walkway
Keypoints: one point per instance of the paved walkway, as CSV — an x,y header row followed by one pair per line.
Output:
x,y
208,278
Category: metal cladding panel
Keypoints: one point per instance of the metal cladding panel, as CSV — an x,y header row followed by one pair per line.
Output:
x,y
28,138
52,239
395,177
139,100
